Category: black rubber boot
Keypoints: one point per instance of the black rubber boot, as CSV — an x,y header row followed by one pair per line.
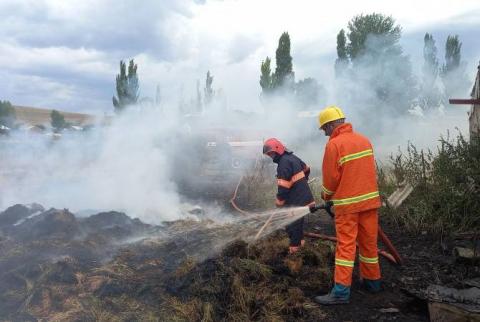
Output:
x,y
340,294
330,299
372,286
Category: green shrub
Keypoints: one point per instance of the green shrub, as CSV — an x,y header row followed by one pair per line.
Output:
x,y
446,196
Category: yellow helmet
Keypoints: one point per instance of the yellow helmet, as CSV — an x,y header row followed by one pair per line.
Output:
x,y
329,114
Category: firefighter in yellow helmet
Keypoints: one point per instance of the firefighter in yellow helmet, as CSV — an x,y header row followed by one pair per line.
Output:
x,y
350,182
329,117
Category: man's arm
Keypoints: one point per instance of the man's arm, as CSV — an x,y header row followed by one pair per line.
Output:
x,y
306,169
331,171
284,176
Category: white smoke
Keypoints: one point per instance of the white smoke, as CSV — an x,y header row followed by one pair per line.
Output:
x,y
134,164
124,166
379,96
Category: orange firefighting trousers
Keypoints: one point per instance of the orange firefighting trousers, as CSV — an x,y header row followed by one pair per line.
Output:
x,y
362,226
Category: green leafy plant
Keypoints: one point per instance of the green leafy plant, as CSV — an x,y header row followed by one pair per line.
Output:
x,y
446,196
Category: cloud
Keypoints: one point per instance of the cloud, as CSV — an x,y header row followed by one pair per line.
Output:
x,y
126,27
241,47
43,61
78,44
42,91
58,77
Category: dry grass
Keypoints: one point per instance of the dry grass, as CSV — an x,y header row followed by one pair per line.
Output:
x,y
259,285
245,283
144,283
258,187
185,268
178,310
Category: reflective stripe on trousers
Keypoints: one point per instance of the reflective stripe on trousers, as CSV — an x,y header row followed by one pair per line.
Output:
x,y
361,227
368,260
344,262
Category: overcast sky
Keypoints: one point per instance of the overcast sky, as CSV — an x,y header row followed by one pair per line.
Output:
x,y
64,54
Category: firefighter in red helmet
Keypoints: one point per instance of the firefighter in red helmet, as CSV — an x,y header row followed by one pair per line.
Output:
x,y
293,189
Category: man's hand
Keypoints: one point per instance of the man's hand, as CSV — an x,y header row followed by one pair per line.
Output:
x,y
279,203
328,206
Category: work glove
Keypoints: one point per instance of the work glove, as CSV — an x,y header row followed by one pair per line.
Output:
x,y
328,206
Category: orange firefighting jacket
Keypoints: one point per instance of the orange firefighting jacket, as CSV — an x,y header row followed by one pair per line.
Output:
x,y
349,174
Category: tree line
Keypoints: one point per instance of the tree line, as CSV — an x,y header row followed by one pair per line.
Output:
x,y
304,93
371,70
128,91
370,52
8,118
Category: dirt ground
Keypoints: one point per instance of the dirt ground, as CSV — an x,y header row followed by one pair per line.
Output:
x,y
55,267
393,303
427,260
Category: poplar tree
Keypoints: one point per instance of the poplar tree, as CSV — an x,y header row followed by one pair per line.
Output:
x,y
283,77
453,55
341,63
127,86
266,79
430,96
380,74
208,90
455,80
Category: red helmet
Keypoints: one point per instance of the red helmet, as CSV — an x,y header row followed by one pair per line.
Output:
x,y
273,145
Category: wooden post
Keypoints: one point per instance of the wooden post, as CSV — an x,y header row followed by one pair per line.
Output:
x,y
474,118
474,115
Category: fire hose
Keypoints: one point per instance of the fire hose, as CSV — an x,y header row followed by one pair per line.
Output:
x,y
392,255
232,200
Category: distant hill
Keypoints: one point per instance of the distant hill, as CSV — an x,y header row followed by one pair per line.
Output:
x,y
37,116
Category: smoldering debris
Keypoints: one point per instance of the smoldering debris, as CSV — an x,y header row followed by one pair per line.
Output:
x,y
111,267
40,250
53,262
18,213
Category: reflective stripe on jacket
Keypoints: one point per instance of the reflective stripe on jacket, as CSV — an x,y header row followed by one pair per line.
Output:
x,y
292,181
349,173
